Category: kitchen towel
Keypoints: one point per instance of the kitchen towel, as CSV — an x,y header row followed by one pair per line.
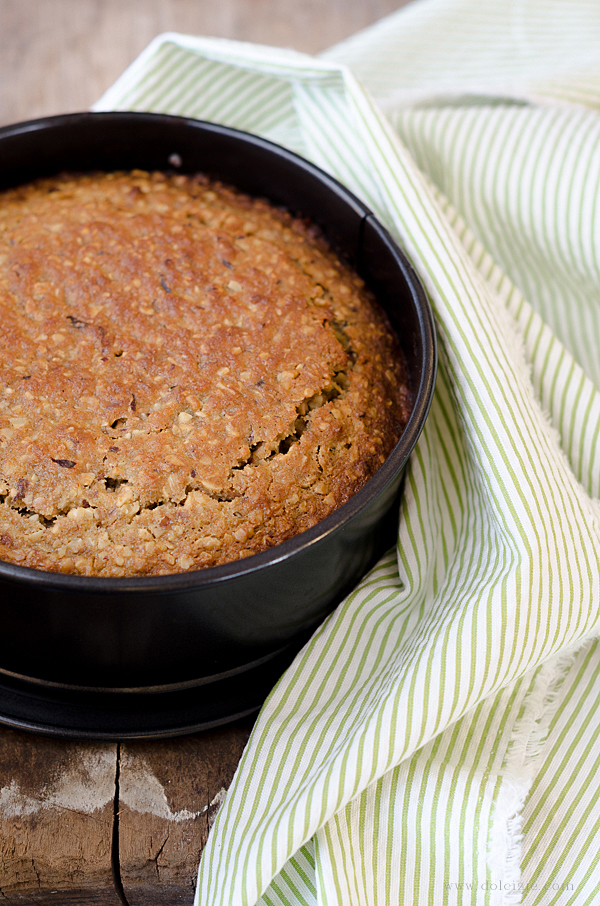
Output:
x,y
437,740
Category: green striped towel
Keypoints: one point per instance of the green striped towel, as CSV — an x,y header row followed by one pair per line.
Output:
x,y
436,742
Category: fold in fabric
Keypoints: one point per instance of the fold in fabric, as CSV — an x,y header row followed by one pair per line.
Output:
x,y
434,742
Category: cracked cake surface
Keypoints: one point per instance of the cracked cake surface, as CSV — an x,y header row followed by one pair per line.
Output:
x,y
189,375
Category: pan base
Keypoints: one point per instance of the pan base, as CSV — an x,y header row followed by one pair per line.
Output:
x,y
72,714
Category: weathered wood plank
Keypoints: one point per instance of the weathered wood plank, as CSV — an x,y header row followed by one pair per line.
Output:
x,y
61,55
170,792
56,816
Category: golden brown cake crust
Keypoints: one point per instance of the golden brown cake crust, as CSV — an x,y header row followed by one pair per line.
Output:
x,y
188,375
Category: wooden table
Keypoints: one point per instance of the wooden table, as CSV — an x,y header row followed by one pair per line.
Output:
x,y
113,823
107,823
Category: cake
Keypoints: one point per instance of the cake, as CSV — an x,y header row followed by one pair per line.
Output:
x,y
188,375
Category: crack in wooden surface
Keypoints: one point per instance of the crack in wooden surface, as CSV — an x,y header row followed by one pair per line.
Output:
x,y
106,824
115,858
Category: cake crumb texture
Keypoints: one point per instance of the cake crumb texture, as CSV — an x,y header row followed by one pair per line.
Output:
x,y
188,375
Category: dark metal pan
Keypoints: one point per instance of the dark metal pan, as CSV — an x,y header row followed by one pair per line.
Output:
x,y
130,657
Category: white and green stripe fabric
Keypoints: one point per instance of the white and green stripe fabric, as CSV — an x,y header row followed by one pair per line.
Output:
x,y
437,741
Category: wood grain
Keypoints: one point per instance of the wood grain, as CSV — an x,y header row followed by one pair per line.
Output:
x,y
58,56
170,792
56,817
57,810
